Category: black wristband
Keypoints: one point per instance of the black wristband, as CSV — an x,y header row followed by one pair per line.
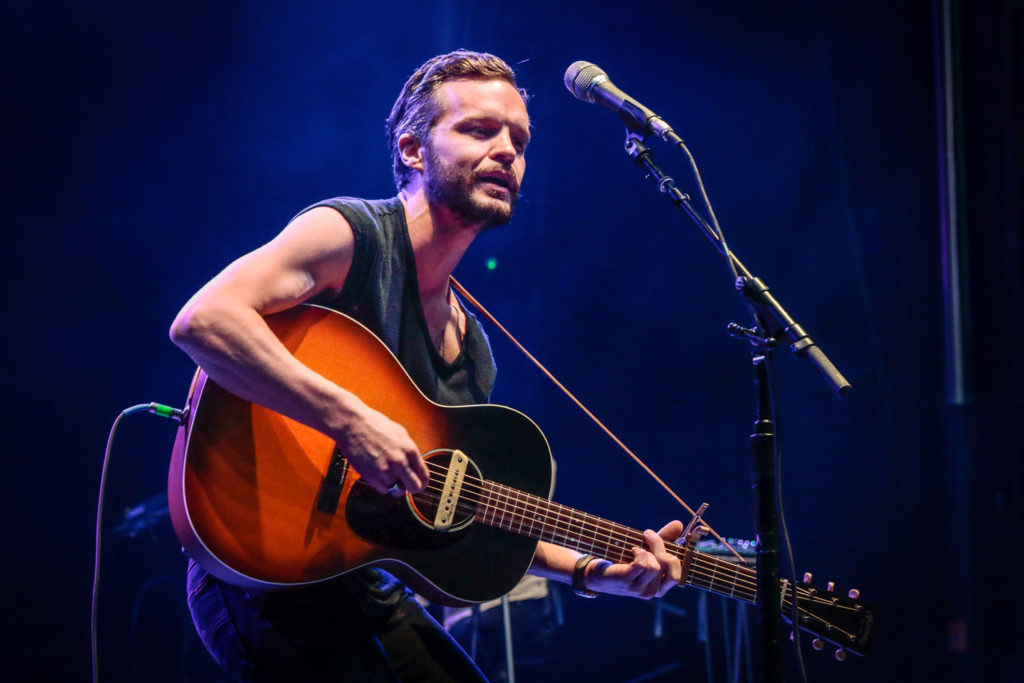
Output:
x,y
578,573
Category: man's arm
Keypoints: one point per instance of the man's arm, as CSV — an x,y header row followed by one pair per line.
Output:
x,y
652,573
222,329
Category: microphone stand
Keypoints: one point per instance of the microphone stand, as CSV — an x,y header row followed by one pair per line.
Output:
x,y
772,324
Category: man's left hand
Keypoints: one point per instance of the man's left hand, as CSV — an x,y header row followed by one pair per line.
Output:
x,y
651,574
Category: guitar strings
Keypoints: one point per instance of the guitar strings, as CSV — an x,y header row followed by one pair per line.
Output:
x,y
512,505
587,523
609,532
743,578
738,584
515,503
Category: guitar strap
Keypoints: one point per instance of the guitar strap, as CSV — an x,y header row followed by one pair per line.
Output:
x,y
494,321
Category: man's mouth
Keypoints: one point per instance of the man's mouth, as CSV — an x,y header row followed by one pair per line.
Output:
x,y
501,180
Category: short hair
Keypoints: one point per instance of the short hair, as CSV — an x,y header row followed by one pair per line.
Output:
x,y
417,110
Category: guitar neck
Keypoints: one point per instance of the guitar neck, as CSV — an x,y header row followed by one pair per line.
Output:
x,y
528,515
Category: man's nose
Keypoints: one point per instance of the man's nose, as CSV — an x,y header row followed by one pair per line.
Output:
x,y
504,148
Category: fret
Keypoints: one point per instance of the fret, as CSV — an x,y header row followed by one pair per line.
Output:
x,y
494,504
545,525
569,538
513,510
565,525
714,576
531,509
606,537
502,520
560,537
628,538
509,515
517,516
556,523
486,505
528,516
502,507
586,534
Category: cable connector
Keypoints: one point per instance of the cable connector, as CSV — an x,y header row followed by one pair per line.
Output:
x,y
170,413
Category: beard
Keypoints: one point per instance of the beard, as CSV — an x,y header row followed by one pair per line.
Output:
x,y
459,190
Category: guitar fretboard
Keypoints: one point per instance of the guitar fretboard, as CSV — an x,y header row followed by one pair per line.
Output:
x,y
528,515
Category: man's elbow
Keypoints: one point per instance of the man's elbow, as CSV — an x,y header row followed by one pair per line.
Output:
x,y
188,326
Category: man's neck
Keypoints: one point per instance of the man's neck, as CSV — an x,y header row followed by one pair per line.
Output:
x,y
439,240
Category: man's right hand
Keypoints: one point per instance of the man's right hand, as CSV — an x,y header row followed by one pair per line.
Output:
x,y
383,453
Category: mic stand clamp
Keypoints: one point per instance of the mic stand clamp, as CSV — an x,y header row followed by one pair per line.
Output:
x,y
642,155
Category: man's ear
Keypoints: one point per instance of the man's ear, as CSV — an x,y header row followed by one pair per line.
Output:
x,y
411,149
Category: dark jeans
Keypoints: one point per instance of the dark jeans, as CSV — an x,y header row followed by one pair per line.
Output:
x,y
329,632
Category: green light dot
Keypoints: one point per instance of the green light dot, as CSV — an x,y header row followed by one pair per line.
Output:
x,y
492,263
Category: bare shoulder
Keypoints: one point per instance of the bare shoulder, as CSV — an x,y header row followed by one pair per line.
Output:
x,y
319,231
318,243
311,255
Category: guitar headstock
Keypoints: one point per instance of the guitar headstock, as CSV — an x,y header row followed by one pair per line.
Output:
x,y
846,622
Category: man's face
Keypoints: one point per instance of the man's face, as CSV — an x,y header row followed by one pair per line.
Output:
x,y
474,158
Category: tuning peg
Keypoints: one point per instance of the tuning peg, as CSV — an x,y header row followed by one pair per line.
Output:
x,y
854,593
840,655
831,586
818,644
807,577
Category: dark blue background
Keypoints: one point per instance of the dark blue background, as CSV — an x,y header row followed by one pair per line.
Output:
x,y
150,143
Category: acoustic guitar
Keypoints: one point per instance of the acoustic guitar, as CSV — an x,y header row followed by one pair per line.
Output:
x,y
259,500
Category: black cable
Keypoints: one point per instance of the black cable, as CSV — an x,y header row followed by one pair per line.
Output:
x,y
157,409
784,531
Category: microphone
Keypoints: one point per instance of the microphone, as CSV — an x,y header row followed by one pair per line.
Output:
x,y
588,82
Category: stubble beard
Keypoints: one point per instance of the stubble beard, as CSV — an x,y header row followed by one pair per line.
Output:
x,y
454,188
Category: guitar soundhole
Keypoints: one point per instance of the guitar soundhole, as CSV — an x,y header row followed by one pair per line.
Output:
x,y
424,505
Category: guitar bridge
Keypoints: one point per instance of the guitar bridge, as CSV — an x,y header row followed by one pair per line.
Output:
x,y
330,488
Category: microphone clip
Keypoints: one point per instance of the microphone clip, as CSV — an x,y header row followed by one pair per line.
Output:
x,y
642,156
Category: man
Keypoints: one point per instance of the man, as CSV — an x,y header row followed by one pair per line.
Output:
x,y
458,134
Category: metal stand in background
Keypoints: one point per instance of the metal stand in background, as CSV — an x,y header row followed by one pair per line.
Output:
x,y
506,616
736,647
533,606
762,450
772,324
735,644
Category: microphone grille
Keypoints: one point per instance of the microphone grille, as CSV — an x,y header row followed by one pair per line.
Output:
x,y
580,77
